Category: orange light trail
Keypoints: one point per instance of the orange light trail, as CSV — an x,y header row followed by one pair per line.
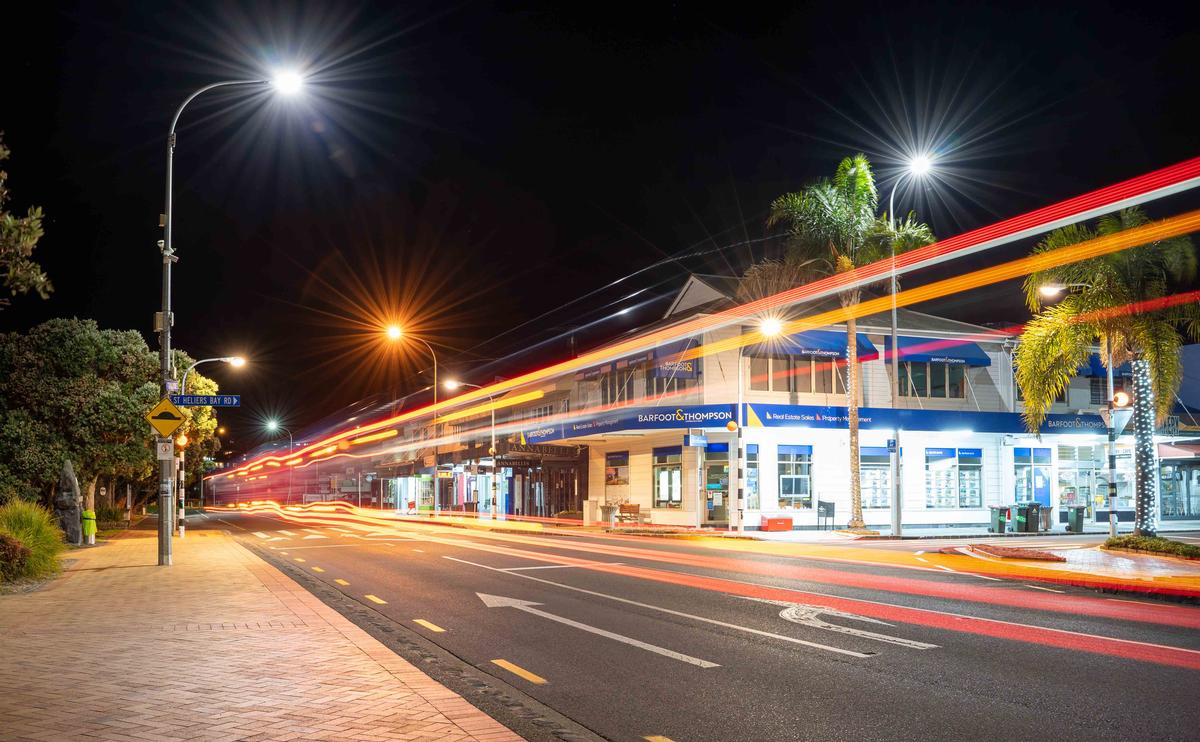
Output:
x,y
497,405
375,437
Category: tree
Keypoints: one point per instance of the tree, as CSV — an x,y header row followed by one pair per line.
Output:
x,y
832,227
18,238
1104,306
70,389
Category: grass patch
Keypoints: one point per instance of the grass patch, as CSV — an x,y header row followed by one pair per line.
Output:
x,y
1155,545
34,527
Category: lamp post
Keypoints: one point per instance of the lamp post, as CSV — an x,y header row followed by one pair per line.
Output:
x,y
273,426
1053,291
452,384
395,334
236,362
285,83
768,327
917,168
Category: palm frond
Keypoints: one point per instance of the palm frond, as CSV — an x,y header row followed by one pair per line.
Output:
x,y
1053,346
1159,344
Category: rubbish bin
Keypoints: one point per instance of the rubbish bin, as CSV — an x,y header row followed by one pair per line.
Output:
x,y
1044,523
1034,519
1020,517
608,514
999,519
1075,515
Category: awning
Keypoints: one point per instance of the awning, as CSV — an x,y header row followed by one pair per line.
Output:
x,y
1095,367
1180,450
939,350
820,343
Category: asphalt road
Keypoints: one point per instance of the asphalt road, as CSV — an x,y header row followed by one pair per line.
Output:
x,y
640,638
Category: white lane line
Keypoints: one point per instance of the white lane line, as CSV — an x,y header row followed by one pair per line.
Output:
x,y
946,568
307,538
561,566
919,553
260,534
287,533
1135,602
1047,589
627,601
922,559
419,551
983,577
528,606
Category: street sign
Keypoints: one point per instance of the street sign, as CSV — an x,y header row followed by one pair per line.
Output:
x,y
207,400
695,440
164,450
1117,418
891,445
165,417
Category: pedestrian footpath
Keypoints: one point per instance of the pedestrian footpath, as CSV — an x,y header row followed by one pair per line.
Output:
x,y
221,646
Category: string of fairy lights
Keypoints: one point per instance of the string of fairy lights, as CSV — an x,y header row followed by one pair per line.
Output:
x,y
1146,484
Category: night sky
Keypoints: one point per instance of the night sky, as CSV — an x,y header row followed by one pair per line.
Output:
x,y
468,168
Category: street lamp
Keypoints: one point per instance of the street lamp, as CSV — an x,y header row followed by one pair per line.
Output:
x,y
273,426
451,385
768,328
395,334
284,82
918,167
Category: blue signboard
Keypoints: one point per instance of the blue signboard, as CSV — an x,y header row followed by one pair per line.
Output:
x,y
695,440
878,418
638,418
207,400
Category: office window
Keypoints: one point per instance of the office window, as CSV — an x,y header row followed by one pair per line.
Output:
x,y
795,477
933,380
752,476
803,374
668,477
875,474
615,386
668,385
953,478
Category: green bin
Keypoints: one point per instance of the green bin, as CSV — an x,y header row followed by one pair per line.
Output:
x,y
999,518
1020,519
1075,515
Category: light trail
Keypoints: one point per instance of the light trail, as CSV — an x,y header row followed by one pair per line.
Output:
x,y
1157,184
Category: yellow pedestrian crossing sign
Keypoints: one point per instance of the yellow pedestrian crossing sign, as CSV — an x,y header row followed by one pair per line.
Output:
x,y
165,417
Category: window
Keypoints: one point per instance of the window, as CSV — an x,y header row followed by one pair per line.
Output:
x,y
668,477
795,477
615,386
1060,399
875,472
1031,469
657,386
934,380
752,476
1099,388
539,413
953,478
803,374
616,468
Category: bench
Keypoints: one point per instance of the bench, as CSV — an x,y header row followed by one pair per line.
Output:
x,y
627,511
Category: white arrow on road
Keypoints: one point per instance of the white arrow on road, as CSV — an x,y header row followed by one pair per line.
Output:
x,y
808,615
498,601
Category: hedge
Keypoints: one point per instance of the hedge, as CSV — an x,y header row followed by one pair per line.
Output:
x,y
1155,544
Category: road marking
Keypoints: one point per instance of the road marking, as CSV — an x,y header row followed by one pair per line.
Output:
x,y
419,551
1136,602
375,599
260,534
520,672
309,538
342,582
287,533
326,546
1047,589
657,738
561,566
669,611
431,626
499,601
317,569
984,577
809,615
283,553
310,530
946,569
920,559
298,559
919,553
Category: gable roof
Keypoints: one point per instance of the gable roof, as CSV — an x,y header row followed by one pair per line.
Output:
x,y
701,289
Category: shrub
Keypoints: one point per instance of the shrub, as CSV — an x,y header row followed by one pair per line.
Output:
x,y
34,526
109,514
14,556
1155,544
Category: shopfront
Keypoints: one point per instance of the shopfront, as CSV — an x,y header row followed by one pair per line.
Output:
x,y
1179,481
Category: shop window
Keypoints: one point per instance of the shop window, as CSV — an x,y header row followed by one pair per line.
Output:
x,y
658,386
795,477
752,476
875,473
668,477
803,374
953,478
933,380
616,385
1031,469
616,469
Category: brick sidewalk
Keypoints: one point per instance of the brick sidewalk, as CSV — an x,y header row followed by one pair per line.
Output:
x,y
221,646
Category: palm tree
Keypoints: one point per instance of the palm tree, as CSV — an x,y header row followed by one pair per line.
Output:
x,y
832,227
1060,337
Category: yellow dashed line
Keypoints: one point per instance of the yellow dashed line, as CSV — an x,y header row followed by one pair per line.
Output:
x,y
657,738
520,672
317,569
341,582
428,625
298,559
375,599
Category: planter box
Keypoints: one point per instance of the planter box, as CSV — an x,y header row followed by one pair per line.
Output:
x,y
776,524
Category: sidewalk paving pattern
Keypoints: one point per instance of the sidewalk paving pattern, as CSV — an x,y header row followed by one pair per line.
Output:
x,y
221,646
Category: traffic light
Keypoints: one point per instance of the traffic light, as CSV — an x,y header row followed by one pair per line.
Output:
x,y
1121,399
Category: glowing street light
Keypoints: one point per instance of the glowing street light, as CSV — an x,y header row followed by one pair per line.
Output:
x,y
769,327
452,385
1055,290
394,333
287,82
273,426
